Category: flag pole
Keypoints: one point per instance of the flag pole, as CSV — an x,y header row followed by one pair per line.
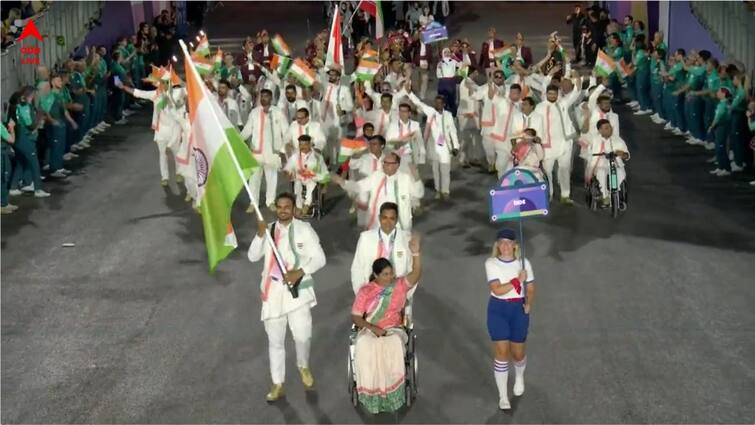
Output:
x,y
276,254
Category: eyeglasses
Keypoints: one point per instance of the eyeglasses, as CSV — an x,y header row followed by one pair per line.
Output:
x,y
390,162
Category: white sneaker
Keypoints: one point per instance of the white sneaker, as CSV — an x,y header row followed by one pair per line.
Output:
x,y
41,194
14,192
711,160
504,404
662,121
127,113
724,173
105,124
677,132
736,168
655,117
59,175
46,167
68,156
75,148
121,121
731,155
644,112
716,171
85,145
519,387
709,145
752,183
668,126
633,103
28,189
693,141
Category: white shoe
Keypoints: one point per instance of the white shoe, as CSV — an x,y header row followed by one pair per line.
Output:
x,y
693,141
518,387
655,117
75,148
724,173
752,183
662,121
121,121
709,145
716,171
643,112
711,160
731,155
677,132
85,145
668,126
59,175
46,167
633,103
105,124
128,113
28,189
736,168
41,194
68,156
504,404
65,171
14,192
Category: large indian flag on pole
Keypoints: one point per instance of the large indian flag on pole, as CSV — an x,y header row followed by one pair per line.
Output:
x,y
334,55
223,163
374,8
604,64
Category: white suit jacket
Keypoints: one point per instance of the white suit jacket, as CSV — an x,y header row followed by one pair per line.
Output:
x,y
367,252
168,122
277,299
440,132
379,188
266,133
312,128
412,151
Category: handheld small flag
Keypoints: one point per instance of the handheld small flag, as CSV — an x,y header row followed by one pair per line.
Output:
x,y
203,48
218,59
604,64
368,65
204,65
623,69
349,148
302,72
280,46
280,64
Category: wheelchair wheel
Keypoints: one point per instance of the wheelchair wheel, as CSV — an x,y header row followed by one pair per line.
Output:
x,y
409,395
415,365
615,204
595,195
623,195
350,373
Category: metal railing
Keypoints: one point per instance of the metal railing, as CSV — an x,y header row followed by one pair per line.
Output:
x,y
62,21
732,27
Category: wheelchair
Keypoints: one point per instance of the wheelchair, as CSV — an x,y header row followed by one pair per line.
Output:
x,y
410,363
318,200
619,194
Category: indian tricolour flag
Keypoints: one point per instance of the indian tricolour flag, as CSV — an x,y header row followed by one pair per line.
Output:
x,y
368,65
280,46
604,64
503,54
217,61
374,8
203,65
349,148
334,55
302,72
223,163
280,64
203,48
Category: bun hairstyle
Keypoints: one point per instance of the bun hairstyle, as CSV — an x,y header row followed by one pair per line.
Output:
x,y
378,266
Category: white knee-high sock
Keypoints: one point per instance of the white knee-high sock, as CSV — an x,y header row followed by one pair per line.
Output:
x,y
501,372
519,368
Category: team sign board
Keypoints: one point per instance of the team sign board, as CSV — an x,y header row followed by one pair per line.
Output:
x,y
435,32
518,194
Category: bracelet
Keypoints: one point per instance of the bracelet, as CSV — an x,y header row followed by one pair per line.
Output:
x,y
416,254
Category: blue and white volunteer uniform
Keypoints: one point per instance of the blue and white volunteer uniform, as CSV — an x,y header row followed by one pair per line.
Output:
x,y
507,320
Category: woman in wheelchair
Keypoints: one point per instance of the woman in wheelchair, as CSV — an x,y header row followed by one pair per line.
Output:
x,y
306,168
527,152
379,353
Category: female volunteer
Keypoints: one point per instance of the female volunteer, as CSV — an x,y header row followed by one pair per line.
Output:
x,y
509,311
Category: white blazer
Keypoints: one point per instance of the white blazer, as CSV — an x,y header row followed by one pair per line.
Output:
x,y
368,250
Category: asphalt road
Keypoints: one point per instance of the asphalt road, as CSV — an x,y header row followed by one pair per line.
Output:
x,y
647,318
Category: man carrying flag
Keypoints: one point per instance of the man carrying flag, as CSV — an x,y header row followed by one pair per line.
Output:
x,y
374,8
300,250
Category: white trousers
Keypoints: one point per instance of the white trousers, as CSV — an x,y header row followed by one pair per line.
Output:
x,y
333,135
271,183
191,186
503,161
488,145
424,77
300,322
441,176
470,143
564,171
301,199
601,173
163,157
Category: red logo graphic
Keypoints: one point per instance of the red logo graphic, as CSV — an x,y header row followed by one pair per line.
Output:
x,y
30,30
30,54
